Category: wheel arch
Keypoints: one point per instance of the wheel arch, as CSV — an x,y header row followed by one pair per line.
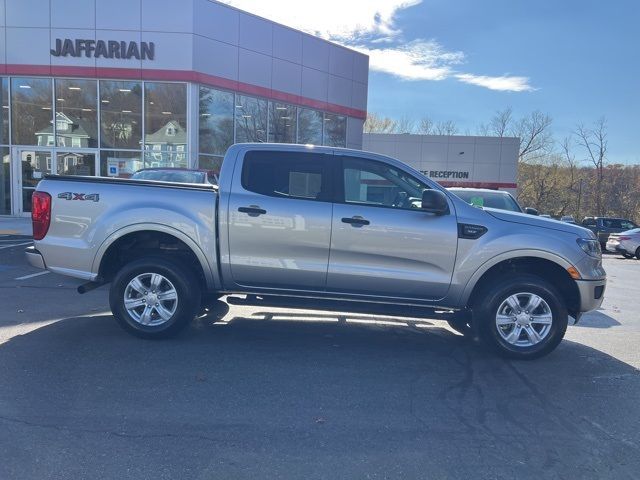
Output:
x,y
154,239
552,268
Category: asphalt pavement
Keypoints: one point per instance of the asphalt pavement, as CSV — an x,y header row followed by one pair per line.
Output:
x,y
252,392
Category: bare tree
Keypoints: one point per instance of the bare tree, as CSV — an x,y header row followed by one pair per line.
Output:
x,y
594,143
405,125
378,124
426,126
535,137
447,127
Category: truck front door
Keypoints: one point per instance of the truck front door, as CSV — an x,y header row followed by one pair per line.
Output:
x,y
382,243
280,220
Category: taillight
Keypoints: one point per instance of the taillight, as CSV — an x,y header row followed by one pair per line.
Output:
x,y
40,214
623,238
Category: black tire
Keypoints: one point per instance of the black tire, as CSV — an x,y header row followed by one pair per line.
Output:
x,y
627,255
177,277
638,253
487,305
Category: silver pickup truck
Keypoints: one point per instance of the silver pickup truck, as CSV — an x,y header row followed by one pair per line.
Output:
x,y
317,224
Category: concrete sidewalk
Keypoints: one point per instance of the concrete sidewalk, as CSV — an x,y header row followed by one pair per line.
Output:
x,y
15,226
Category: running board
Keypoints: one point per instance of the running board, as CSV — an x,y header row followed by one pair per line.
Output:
x,y
360,307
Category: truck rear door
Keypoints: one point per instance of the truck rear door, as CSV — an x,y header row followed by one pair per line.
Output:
x,y
280,215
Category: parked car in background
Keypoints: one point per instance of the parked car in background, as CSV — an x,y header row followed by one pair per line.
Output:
x,y
545,215
626,243
483,197
568,219
604,226
179,175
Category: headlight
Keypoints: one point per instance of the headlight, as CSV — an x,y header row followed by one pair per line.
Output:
x,y
590,247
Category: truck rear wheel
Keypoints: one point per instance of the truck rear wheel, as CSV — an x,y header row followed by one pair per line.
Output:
x,y
521,317
154,297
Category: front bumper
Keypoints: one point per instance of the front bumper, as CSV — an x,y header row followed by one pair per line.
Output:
x,y
591,294
34,257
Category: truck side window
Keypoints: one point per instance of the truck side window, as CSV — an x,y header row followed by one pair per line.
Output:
x,y
379,184
287,174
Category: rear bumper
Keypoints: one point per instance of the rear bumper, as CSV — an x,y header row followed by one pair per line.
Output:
x,y
34,257
591,294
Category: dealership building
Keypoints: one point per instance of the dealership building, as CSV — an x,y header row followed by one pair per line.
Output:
x,y
454,161
106,87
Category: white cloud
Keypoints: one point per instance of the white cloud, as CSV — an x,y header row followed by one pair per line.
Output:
x,y
370,26
331,19
418,60
502,83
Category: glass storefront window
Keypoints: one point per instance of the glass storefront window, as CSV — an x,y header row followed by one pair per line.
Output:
x,y
309,126
335,130
282,123
31,111
119,164
76,113
212,163
251,119
72,163
165,124
215,114
5,181
121,114
155,159
4,111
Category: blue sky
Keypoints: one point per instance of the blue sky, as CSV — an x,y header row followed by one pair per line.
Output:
x,y
463,60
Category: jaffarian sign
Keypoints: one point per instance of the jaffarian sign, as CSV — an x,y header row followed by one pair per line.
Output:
x,y
103,49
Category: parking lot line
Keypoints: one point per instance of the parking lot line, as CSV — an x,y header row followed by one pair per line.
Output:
x,y
33,275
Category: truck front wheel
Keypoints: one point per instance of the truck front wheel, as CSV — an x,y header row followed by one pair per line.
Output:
x,y
154,297
521,317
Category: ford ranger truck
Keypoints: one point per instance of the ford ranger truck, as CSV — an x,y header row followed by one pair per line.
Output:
x,y
319,224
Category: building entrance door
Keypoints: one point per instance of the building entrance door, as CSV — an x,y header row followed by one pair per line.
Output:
x,y
30,165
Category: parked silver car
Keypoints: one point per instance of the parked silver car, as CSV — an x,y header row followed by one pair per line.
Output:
x,y
626,243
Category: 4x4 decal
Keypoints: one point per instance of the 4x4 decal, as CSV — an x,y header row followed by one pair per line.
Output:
x,y
95,197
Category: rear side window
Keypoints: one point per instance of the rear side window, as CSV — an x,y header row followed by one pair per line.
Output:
x,y
288,175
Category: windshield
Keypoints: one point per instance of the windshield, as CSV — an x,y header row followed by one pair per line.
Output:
x,y
178,176
497,199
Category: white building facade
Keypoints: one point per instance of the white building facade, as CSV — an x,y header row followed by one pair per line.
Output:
x,y
106,87
454,161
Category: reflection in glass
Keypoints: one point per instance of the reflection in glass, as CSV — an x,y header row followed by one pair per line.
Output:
x,y
211,163
72,163
76,113
4,111
119,164
251,119
120,114
31,111
282,123
34,166
335,130
165,159
216,121
165,124
309,126
5,181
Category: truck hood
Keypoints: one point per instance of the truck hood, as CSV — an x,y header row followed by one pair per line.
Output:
x,y
533,220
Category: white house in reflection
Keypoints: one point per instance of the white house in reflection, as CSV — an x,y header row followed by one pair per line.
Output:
x,y
72,131
166,147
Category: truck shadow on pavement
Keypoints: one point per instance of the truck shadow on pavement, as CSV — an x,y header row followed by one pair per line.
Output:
x,y
305,395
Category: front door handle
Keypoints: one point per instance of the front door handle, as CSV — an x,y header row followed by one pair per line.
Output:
x,y
252,211
356,221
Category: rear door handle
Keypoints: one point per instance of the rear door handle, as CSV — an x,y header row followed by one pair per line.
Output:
x,y
355,221
252,211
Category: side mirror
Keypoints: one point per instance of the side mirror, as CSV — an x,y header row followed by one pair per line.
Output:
x,y
531,211
434,201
